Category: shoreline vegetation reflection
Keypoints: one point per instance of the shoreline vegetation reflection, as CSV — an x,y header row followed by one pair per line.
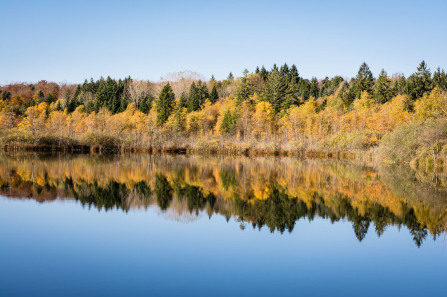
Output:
x,y
264,192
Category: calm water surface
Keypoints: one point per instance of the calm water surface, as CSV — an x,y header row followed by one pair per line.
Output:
x,y
201,226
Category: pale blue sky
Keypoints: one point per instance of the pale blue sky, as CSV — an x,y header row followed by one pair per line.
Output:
x,y
73,40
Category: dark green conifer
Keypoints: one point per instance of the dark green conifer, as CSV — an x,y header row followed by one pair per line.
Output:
x,y
165,104
440,79
229,122
419,82
194,98
364,81
264,73
275,89
214,96
383,91
183,101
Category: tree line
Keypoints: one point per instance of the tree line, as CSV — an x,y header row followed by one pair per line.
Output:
x,y
282,87
265,110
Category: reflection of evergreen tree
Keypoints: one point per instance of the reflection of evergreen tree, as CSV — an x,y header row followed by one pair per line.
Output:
x,y
279,211
380,216
419,233
163,192
228,178
142,188
360,225
194,198
108,197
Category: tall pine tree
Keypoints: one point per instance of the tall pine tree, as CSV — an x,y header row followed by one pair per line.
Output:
x,y
419,82
194,98
165,104
440,79
264,73
243,91
364,81
383,90
275,89
214,96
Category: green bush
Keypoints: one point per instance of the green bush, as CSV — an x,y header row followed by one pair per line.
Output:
x,y
414,139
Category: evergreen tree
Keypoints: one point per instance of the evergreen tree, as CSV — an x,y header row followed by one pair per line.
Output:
x,y
419,82
197,96
122,91
7,95
229,122
346,94
124,101
275,89
47,111
214,96
49,99
194,98
165,104
111,101
74,102
325,88
364,81
230,76
183,101
101,95
202,91
383,91
294,75
146,104
293,88
40,96
243,91
257,70
58,106
440,79
292,95
314,89
304,89
400,84
67,99
264,73
284,70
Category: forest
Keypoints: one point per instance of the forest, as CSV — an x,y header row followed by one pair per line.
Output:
x,y
392,119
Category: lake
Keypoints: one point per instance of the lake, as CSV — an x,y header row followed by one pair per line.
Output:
x,y
165,225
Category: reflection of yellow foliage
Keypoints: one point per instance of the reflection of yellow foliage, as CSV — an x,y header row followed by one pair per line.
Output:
x,y
311,181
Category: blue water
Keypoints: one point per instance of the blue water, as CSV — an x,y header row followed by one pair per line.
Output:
x,y
61,248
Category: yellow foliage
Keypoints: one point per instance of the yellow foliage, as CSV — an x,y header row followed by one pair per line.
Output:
x,y
24,125
194,122
364,103
264,118
432,106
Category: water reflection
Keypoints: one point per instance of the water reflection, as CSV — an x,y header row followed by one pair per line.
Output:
x,y
261,192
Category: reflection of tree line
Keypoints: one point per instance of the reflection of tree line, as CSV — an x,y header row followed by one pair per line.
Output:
x,y
279,211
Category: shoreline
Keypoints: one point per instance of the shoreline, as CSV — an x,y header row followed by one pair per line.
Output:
x,y
115,150
370,157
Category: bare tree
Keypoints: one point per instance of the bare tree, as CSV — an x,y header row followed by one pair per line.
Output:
x,y
139,90
181,81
